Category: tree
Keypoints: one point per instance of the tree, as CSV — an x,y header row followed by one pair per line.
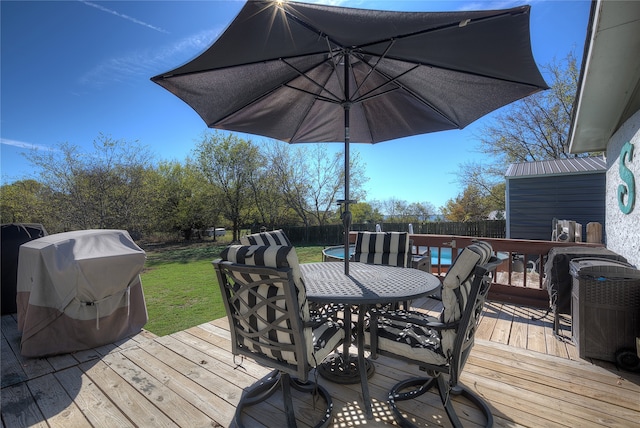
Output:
x,y
289,173
182,201
470,206
326,175
393,209
311,180
25,201
362,212
495,198
269,202
532,129
417,212
400,211
229,163
101,189
536,127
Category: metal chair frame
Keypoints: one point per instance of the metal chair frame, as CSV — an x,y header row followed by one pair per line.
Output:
x,y
445,377
247,339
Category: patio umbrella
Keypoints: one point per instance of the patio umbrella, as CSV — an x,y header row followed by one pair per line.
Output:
x,y
301,72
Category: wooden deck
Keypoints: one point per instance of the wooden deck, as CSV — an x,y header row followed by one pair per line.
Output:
x,y
189,379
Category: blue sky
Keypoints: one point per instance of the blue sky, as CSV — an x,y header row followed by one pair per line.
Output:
x,y
71,70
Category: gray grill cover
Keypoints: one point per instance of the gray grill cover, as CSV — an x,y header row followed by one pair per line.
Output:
x,y
79,290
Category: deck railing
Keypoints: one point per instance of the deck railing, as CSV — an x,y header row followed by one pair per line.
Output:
x,y
519,280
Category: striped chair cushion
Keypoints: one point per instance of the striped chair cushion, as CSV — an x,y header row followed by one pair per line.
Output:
x,y
403,335
276,256
274,237
456,285
320,340
382,248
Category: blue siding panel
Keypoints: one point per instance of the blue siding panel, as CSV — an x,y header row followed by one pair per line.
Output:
x,y
535,201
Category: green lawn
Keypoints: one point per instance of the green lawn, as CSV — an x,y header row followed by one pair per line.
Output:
x,y
180,285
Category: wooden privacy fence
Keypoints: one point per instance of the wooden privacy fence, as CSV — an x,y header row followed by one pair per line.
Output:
x,y
485,228
332,234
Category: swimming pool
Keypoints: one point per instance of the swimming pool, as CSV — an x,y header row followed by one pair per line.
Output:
x,y
337,253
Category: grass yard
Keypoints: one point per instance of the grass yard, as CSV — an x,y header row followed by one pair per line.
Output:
x,y
180,285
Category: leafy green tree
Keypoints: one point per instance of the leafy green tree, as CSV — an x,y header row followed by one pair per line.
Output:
x,y
495,198
470,206
25,201
229,163
101,189
363,212
183,200
270,206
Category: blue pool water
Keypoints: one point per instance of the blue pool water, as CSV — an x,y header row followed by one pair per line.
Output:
x,y
445,256
445,260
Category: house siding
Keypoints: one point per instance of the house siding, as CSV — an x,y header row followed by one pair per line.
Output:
x,y
623,234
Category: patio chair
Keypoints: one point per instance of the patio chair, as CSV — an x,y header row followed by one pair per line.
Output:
x,y
383,248
388,248
265,300
278,237
440,346
272,237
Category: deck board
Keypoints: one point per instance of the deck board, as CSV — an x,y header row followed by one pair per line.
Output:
x,y
502,328
94,404
577,404
529,376
535,331
56,405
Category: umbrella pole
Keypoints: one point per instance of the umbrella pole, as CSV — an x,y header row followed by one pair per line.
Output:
x,y
346,219
346,215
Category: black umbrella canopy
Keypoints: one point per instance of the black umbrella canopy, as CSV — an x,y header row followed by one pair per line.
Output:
x,y
278,71
302,72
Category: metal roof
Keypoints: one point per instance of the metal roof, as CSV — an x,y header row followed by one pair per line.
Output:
x,y
586,165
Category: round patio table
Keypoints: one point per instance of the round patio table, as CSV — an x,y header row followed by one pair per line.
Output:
x,y
366,285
